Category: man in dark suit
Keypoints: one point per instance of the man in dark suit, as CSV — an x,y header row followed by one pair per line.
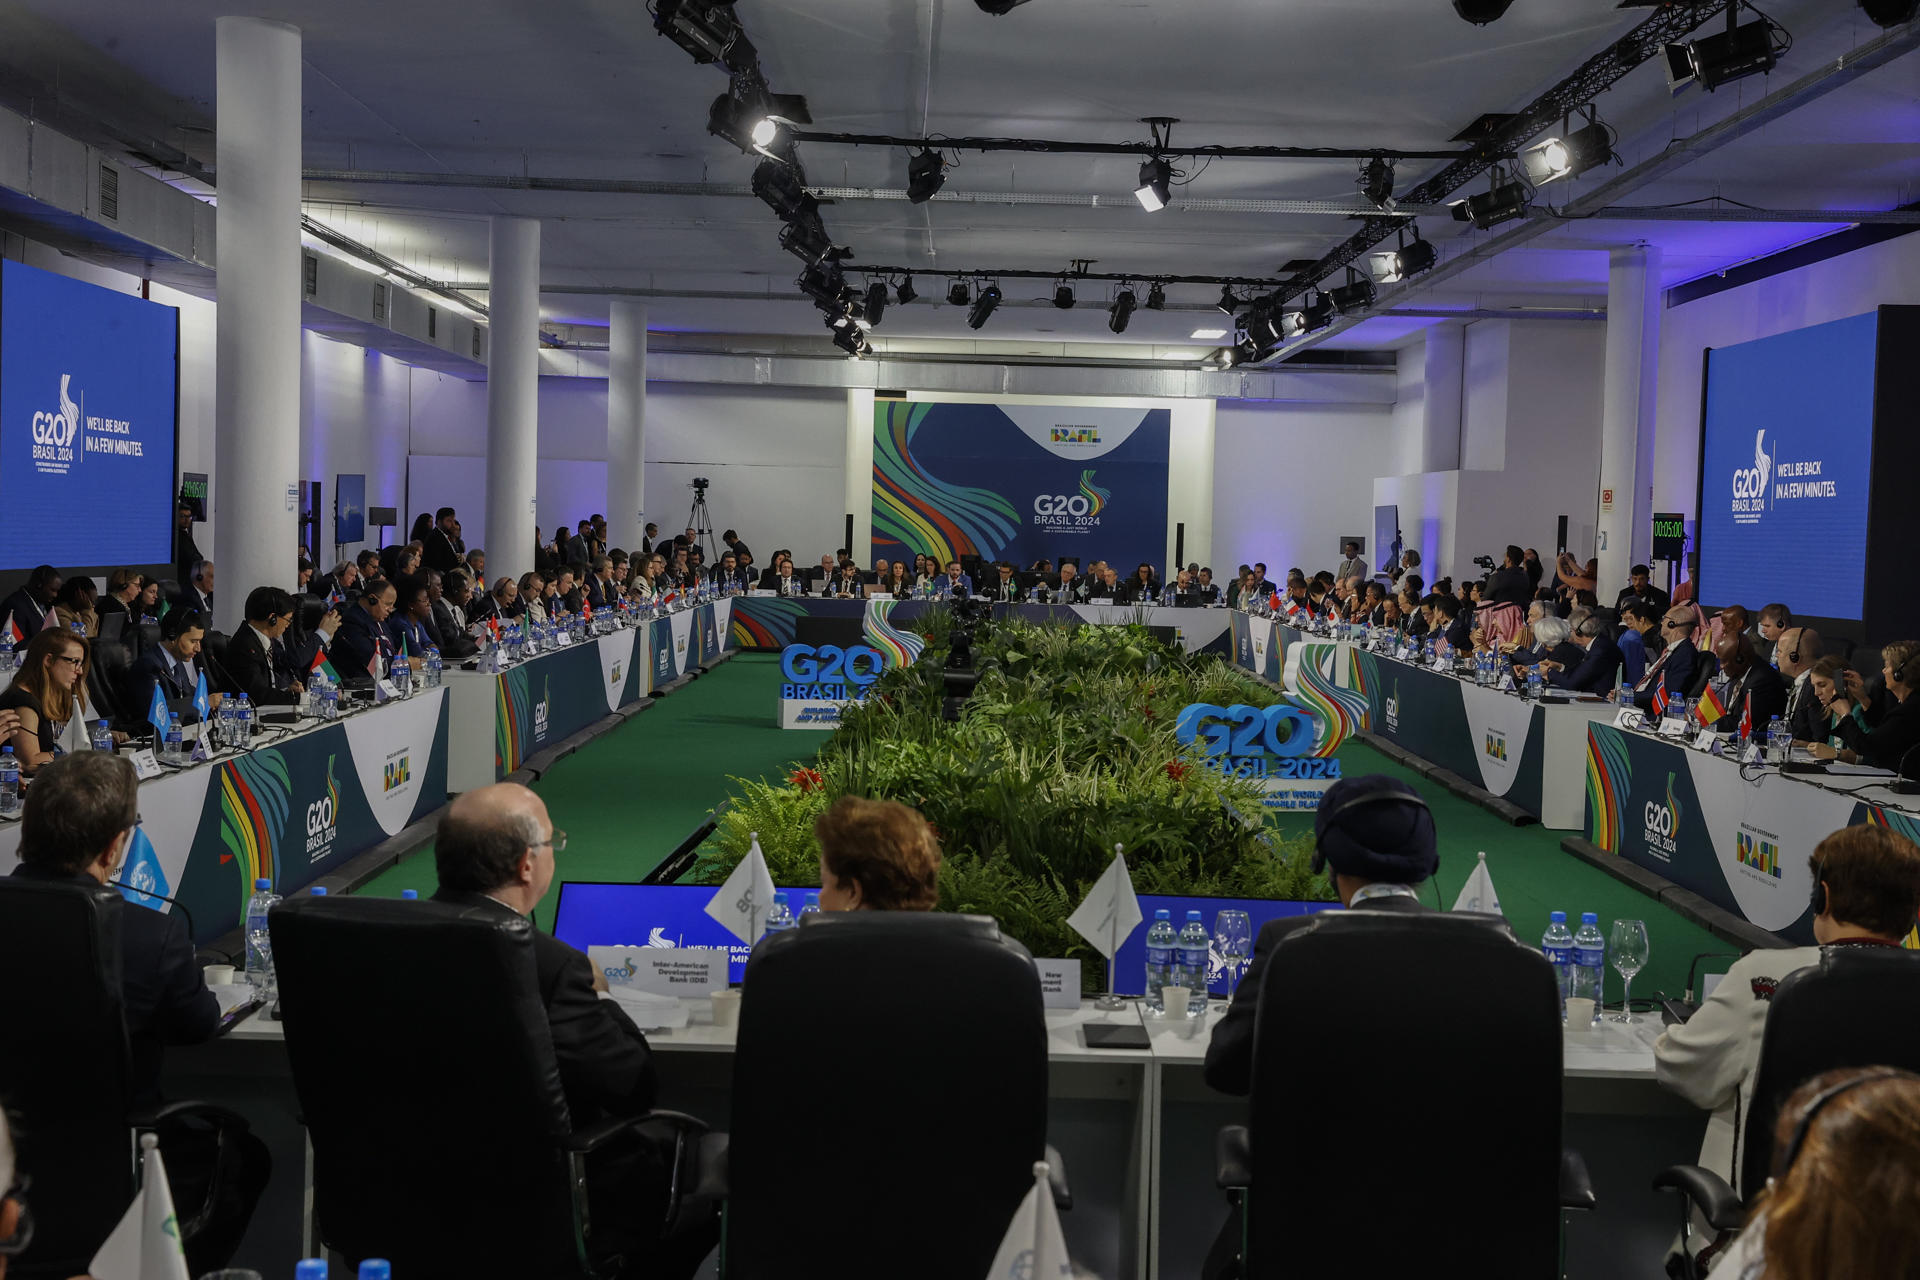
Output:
x,y
198,591
175,665
1377,836
494,852
956,583
1754,691
1598,669
450,594
27,608
440,549
362,635
257,660
1797,649
1005,586
1068,587
1676,666
1640,587
186,553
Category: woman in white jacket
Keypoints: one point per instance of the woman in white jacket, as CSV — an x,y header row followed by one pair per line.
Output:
x,y
1866,892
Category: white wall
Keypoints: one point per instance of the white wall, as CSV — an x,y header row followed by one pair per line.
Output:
x,y
1885,274
1290,479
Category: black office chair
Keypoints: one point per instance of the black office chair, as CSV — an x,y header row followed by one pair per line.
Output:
x,y
65,1073
146,635
112,625
441,1137
106,679
929,1031
1406,1071
1844,1011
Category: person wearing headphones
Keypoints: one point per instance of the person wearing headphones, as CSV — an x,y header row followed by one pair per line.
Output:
x,y
1866,893
1377,836
1893,743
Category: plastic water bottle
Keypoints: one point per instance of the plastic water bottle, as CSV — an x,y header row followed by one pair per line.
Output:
x,y
175,740
6,652
9,782
376,1269
409,895
1194,947
330,704
102,736
223,723
434,668
1779,742
1536,685
243,723
1160,957
1589,973
318,891
402,672
813,905
1557,947
779,916
260,942
310,1269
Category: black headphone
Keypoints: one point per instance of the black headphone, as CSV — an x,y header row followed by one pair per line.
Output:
x,y
1783,1160
179,621
1318,863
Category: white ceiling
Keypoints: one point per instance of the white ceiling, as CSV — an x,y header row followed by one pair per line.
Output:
x,y
587,89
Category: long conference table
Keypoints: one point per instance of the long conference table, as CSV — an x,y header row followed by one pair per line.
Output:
x,y
1134,1127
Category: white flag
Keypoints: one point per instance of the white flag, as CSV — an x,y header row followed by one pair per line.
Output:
x,y
146,1244
1110,913
744,900
1477,893
1033,1248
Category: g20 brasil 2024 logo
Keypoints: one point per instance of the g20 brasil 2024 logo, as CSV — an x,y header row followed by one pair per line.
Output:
x,y
1257,742
1072,510
828,673
1662,822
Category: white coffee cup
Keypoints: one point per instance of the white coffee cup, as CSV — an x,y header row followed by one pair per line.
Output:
x,y
726,1008
218,975
1579,1013
1176,999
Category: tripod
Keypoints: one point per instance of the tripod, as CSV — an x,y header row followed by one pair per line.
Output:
x,y
700,520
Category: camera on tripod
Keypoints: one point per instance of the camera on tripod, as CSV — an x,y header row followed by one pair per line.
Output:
x,y
699,485
1485,562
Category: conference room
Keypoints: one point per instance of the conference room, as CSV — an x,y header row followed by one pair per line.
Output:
x,y
967,638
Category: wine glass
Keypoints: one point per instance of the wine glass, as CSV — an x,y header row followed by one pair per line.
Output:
x,y
1628,945
1233,939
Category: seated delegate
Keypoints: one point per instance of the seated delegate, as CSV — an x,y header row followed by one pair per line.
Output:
x,y
1894,743
1599,665
876,855
49,690
174,666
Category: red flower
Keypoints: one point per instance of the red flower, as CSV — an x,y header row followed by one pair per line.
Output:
x,y
805,779
1176,770
1147,712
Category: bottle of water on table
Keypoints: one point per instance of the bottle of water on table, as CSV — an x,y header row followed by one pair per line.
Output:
x,y
1557,947
9,782
102,736
1589,964
260,941
1161,943
402,674
434,668
6,652
813,905
175,740
1195,944
1536,684
779,916
243,722
1779,742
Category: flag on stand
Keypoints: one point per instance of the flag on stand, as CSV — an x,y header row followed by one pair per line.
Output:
x,y
320,666
13,631
158,715
1660,700
146,1243
670,597
586,611
1746,720
1034,1247
742,904
201,702
1477,893
1110,912
1709,708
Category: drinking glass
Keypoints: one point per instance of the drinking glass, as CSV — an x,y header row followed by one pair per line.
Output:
x,y
1233,938
1628,944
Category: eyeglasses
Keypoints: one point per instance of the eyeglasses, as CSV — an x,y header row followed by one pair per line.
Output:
x,y
16,1244
557,841
75,659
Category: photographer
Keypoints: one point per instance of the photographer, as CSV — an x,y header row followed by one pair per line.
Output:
x,y
1508,584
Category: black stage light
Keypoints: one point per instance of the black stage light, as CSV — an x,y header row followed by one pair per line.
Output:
x,y
1227,302
1157,295
823,282
782,191
876,304
1726,56
1376,183
1291,324
706,30
806,239
1408,260
1121,311
1356,294
904,290
750,118
1156,184
1261,327
849,339
957,294
1585,148
983,305
1890,13
1481,12
1505,202
926,174
1317,314
1063,296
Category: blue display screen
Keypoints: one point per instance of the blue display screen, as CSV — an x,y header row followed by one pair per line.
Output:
x,y
1786,455
675,915
87,404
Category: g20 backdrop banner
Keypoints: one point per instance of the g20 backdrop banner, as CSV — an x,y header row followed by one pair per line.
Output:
x,y
1018,482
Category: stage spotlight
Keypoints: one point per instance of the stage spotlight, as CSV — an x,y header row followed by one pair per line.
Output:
x,y
1734,54
1291,324
706,30
1356,294
849,339
1157,298
1261,328
1156,184
780,188
1890,13
983,305
1505,202
1063,296
957,293
876,304
1376,183
903,292
1228,303
926,174
1408,260
1585,148
750,118
806,239
823,282
1121,311
1481,12
1317,314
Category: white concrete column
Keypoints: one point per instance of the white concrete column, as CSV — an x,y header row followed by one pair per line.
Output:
x,y
1445,377
1625,501
257,326
1190,484
513,394
857,479
626,424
